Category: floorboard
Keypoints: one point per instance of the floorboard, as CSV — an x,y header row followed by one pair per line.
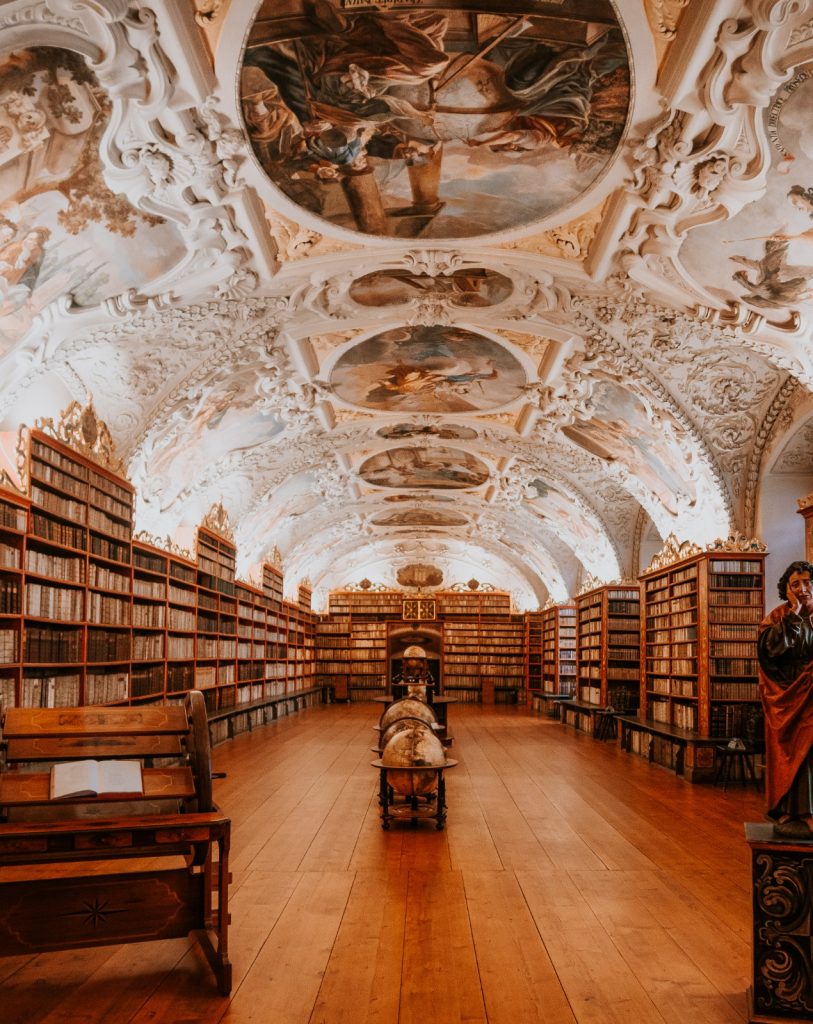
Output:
x,y
574,884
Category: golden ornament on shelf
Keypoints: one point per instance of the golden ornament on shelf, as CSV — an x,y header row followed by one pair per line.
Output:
x,y
81,429
673,550
737,542
217,520
805,502
163,544
590,583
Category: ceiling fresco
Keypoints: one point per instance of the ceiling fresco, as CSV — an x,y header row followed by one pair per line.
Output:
x,y
420,517
428,369
437,467
62,229
512,290
470,287
432,120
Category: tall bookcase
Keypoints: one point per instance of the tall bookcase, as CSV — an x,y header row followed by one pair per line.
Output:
x,y
13,522
533,646
77,609
608,646
216,642
558,650
351,643
699,644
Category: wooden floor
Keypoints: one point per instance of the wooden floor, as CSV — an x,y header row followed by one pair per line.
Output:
x,y
574,883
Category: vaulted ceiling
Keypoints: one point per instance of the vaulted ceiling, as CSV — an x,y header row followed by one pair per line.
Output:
x,y
511,289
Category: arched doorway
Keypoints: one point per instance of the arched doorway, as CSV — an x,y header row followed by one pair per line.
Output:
x,y
430,637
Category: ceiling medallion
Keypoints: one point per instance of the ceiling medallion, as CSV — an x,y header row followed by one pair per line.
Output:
x,y
81,429
436,122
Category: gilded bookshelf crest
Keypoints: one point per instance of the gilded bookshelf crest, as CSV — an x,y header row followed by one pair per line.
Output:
x,y
217,520
590,583
673,550
806,502
737,542
81,429
164,544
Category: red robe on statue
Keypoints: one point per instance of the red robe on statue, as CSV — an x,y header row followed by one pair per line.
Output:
x,y
786,688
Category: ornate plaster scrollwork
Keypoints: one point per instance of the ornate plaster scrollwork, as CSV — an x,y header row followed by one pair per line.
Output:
x,y
666,14
433,263
570,397
333,485
283,394
207,11
514,486
428,311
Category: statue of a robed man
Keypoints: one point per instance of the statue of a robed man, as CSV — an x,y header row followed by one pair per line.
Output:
x,y
786,687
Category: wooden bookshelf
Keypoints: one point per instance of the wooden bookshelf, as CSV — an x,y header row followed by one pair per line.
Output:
x,y
533,648
608,646
77,578
483,652
351,643
13,522
88,615
558,650
699,644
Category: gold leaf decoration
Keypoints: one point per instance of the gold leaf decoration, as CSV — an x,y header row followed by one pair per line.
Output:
x,y
217,520
673,550
81,429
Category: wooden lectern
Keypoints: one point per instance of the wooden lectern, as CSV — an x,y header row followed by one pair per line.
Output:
x,y
159,859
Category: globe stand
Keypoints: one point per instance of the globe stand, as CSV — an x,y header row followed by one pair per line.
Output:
x,y
410,807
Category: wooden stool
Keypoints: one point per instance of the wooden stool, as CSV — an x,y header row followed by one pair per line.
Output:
x,y
605,725
733,762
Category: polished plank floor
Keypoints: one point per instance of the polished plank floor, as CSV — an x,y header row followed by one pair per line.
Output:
x,y
574,884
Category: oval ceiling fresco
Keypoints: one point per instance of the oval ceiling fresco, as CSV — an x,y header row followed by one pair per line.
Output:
x,y
444,468
434,120
446,431
428,369
420,517
472,288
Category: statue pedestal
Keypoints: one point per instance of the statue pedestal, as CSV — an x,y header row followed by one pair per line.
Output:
x,y
781,989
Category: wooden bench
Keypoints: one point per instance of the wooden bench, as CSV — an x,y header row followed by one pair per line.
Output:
x,y
589,718
230,722
173,827
688,754
549,703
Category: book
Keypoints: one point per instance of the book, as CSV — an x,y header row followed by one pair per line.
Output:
x,y
74,779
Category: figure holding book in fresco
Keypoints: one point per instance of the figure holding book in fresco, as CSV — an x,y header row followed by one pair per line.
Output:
x,y
786,686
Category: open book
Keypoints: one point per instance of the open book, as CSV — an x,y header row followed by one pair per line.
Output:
x,y
73,779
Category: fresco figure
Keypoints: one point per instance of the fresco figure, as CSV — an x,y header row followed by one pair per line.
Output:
x,y
397,122
786,687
